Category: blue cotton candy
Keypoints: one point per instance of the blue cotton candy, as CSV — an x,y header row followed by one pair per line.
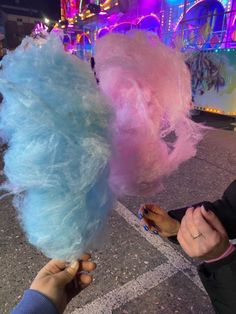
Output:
x,y
56,124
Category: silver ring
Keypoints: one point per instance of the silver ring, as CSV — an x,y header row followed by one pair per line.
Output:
x,y
197,236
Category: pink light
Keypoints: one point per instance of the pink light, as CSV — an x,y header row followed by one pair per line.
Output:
x,y
234,18
134,22
39,28
102,29
121,24
146,16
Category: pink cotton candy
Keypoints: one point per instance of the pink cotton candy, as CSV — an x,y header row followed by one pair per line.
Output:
x,y
148,86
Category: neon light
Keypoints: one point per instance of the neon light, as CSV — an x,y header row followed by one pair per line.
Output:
x,y
146,17
102,29
106,3
134,22
122,23
104,7
80,6
234,18
182,15
79,36
224,2
39,28
103,13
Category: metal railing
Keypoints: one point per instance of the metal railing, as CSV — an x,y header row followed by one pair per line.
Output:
x,y
202,35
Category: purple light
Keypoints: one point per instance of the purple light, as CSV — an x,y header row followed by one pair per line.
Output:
x,y
135,23
234,18
103,13
39,28
148,5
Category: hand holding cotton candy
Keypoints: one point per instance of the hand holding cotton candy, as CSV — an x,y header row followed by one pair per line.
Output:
x,y
148,86
56,124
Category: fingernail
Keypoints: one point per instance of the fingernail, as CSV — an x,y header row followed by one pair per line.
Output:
x,y
140,216
207,210
146,228
145,211
155,232
74,265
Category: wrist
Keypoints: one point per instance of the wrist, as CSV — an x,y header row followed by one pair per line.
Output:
x,y
230,249
176,226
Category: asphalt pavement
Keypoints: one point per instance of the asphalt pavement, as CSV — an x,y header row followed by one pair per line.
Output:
x,y
137,272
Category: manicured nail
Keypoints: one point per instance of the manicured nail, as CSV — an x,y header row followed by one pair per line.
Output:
x,y
146,228
140,216
145,210
155,232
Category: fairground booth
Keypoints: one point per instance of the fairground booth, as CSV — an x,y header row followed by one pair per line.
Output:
x,y
205,31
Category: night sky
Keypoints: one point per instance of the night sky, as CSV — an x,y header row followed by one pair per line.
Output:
x,y
49,8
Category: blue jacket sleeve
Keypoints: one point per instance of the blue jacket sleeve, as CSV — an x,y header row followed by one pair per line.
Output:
x,y
33,302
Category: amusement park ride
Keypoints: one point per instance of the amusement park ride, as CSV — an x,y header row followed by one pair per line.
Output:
x,y
205,30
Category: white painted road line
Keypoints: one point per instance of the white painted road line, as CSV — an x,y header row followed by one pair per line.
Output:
x,y
145,282
131,290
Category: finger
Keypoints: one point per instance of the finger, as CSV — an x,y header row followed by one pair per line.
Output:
x,y
145,224
80,282
155,230
201,224
154,208
52,267
213,220
141,211
85,279
190,225
156,218
182,241
85,257
148,225
144,208
185,232
68,274
87,266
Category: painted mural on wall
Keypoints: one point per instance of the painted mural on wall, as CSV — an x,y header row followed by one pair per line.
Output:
x,y
214,78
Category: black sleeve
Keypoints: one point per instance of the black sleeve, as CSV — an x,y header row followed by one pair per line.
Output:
x,y
219,280
224,208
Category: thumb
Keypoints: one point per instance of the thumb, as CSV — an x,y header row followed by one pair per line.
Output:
x,y
68,274
213,220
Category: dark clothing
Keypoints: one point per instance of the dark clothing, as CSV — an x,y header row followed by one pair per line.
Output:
x,y
224,208
92,62
219,278
33,302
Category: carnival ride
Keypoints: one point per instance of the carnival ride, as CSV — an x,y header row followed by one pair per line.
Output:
x,y
193,26
196,24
